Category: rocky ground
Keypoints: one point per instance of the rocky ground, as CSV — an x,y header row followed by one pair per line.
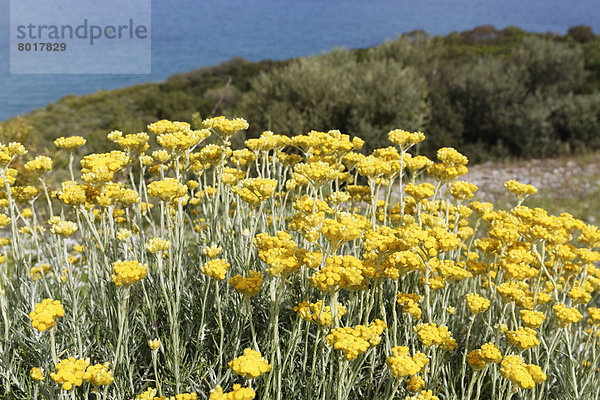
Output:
x,y
569,184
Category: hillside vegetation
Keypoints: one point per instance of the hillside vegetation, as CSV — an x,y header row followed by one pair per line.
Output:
x,y
493,93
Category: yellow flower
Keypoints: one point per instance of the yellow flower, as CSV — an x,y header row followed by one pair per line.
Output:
x,y
566,315
224,126
250,365
522,375
477,303
70,372
404,139
128,272
255,190
216,268
154,344
45,314
403,365
238,393
147,395
156,245
339,272
39,165
247,286
69,143
316,313
123,234
316,173
167,189
521,190
166,126
98,375
39,270
212,251
461,190
432,335
409,303
423,395
36,374
532,319
355,341
523,338
279,252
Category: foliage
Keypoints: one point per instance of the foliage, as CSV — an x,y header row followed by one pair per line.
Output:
x,y
296,267
496,93
337,91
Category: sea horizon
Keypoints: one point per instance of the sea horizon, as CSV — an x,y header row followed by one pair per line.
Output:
x,y
187,35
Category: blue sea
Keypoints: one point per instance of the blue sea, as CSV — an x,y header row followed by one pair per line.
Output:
x,y
188,34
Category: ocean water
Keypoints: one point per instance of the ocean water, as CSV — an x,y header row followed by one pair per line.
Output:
x,y
188,34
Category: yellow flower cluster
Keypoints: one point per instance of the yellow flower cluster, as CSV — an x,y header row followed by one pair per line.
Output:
x,y
476,303
98,375
480,358
238,393
212,251
133,142
167,189
224,126
123,234
339,272
532,319
453,164
566,315
128,272
39,270
100,168
594,315
523,338
154,344
177,143
423,395
522,375
317,313
401,364
248,287
36,374
409,303
250,365
10,151
355,341
268,141
216,268
70,372
72,193
62,228
462,190
147,395
520,190
255,190
69,143
39,165
315,173
4,220
166,126
279,252
344,228
404,139
421,191
156,245
45,314
432,335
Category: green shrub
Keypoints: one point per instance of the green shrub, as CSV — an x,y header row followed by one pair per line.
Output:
x,y
335,91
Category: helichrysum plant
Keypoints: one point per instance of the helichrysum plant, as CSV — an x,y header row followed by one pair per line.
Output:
x,y
173,266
